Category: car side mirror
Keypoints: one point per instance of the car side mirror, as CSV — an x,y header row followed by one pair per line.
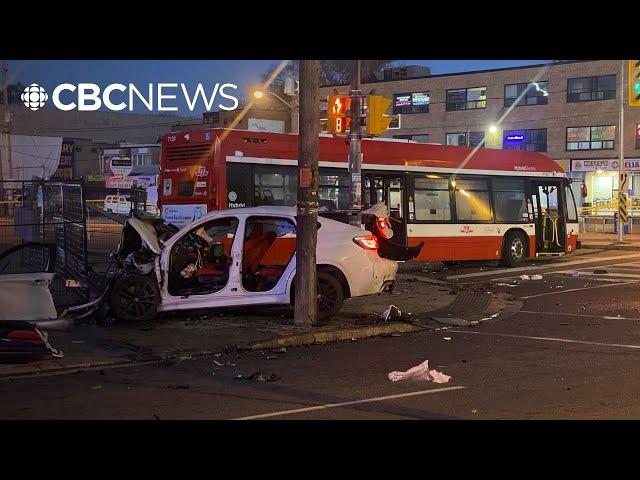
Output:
x,y
583,190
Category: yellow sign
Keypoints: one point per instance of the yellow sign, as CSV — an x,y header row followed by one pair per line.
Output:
x,y
622,208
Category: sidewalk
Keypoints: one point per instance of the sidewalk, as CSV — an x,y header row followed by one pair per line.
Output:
x,y
608,241
184,335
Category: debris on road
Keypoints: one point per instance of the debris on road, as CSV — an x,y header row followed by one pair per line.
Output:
x,y
272,357
260,377
179,387
490,317
515,283
396,334
420,372
392,312
21,338
600,271
532,277
96,387
219,364
281,350
447,338
575,274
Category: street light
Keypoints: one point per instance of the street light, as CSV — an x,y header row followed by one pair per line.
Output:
x,y
493,128
260,93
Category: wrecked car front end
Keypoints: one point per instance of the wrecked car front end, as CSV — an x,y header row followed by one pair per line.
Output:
x,y
134,292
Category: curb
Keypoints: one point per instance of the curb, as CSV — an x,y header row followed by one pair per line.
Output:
x,y
314,338
608,246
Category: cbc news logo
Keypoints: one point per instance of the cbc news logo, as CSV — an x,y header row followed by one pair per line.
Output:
x,y
34,97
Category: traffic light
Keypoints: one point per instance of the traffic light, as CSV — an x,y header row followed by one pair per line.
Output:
x,y
377,120
337,117
634,83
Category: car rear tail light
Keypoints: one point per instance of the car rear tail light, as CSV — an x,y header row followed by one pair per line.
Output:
x,y
369,242
383,225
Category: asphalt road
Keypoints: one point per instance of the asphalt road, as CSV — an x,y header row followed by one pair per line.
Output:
x,y
571,352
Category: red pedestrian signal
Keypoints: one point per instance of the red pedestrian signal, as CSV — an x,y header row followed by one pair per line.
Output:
x,y
338,119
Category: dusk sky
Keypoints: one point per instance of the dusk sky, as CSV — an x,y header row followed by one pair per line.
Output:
x,y
243,73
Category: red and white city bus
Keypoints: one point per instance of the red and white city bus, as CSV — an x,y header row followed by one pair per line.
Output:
x,y
488,205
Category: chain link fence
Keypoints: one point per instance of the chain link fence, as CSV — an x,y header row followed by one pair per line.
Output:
x,y
36,213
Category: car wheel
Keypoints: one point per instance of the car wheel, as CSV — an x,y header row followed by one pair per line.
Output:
x,y
330,296
515,249
135,298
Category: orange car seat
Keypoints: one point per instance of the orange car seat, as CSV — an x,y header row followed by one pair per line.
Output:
x,y
255,247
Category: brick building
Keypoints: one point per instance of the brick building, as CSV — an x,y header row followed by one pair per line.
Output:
x,y
571,113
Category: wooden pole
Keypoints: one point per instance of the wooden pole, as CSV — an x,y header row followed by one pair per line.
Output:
x,y
307,213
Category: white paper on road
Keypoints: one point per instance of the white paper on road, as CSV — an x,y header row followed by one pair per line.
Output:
x,y
420,372
532,277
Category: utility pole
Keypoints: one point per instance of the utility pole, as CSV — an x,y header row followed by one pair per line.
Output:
x,y
6,130
295,114
621,194
355,153
306,299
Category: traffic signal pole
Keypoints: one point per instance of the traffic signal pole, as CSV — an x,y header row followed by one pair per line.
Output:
x,y
305,307
621,194
355,152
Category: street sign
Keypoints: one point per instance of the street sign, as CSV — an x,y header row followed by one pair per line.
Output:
x,y
624,181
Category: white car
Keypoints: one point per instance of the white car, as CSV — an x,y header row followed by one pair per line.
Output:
x,y
240,257
120,204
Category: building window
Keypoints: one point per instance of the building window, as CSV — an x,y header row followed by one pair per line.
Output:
x,y
534,140
432,200
415,102
466,98
420,138
638,136
586,89
460,139
532,93
591,138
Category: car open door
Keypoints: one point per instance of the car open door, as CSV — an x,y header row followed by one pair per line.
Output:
x,y
26,271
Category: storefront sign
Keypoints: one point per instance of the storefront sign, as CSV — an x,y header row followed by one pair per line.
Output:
x,y
65,167
264,125
630,165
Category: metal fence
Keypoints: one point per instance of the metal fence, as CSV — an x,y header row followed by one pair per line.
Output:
x,y
47,212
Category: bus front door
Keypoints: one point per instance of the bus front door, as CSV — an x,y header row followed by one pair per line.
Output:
x,y
549,215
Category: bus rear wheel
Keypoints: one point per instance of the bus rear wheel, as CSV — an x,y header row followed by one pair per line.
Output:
x,y
515,249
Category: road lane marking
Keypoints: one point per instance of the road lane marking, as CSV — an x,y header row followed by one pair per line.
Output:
x,y
551,339
578,315
558,291
591,274
344,404
541,267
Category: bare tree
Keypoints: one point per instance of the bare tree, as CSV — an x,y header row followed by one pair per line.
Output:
x,y
332,72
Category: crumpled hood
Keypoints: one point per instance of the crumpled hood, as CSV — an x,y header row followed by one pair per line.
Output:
x,y
147,233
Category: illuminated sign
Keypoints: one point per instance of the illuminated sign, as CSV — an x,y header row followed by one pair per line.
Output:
x,y
402,100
